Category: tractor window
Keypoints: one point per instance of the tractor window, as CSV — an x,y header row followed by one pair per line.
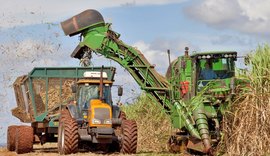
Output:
x,y
87,93
107,94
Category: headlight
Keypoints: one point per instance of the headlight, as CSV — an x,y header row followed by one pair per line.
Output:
x,y
96,121
85,115
108,121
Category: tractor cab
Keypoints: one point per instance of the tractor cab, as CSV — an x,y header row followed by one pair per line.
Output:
x,y
94,101
90,90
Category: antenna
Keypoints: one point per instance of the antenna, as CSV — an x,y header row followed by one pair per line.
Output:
x,y
169,56
101,84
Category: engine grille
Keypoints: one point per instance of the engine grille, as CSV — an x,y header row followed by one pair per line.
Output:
x,y
102,114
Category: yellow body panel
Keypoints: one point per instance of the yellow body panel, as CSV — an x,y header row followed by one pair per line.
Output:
x,y
96,103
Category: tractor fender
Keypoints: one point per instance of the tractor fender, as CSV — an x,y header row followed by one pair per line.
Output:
x,y
73,111
115,111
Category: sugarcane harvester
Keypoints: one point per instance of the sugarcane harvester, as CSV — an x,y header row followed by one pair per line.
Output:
x,y
195,104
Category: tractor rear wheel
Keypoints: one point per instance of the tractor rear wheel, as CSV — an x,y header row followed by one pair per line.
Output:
x,y
129,137
68,136
11,137
24,139
65,115
122,115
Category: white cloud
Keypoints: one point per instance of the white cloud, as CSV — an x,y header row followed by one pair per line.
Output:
x,y
18,13
247,16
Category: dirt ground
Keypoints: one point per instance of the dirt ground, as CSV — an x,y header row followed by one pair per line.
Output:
x,y
50,149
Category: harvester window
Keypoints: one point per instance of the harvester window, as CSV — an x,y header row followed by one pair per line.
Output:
x,y
222,67
208,73
225,68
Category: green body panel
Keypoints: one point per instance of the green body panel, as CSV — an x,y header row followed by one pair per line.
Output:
x,y
41,117
66,72
54,122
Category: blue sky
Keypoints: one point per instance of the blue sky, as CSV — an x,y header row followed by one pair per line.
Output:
x,y
31,35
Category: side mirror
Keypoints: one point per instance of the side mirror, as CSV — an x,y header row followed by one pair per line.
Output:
x,y
74,88
120,91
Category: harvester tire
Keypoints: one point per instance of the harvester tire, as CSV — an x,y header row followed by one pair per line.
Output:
x,y
24,139
122,115
68,136
129,137
11,137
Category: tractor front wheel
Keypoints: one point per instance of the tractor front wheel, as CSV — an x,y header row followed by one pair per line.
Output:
x,y
122,115
129,137
68,136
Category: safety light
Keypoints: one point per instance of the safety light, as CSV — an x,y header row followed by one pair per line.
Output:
x,y
96,121
108,121
91,74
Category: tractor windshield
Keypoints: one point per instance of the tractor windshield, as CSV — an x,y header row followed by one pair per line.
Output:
x,y
89,92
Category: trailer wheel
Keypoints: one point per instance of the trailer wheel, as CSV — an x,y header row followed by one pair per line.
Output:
x,y
129,137
68,136
24,139
11,137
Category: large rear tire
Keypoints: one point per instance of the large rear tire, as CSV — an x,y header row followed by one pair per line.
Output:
x,y
11,137
65,115
68,136
24,139
122,115
129,137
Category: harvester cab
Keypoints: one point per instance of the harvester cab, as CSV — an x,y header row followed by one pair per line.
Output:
x,y
211,71
216,70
